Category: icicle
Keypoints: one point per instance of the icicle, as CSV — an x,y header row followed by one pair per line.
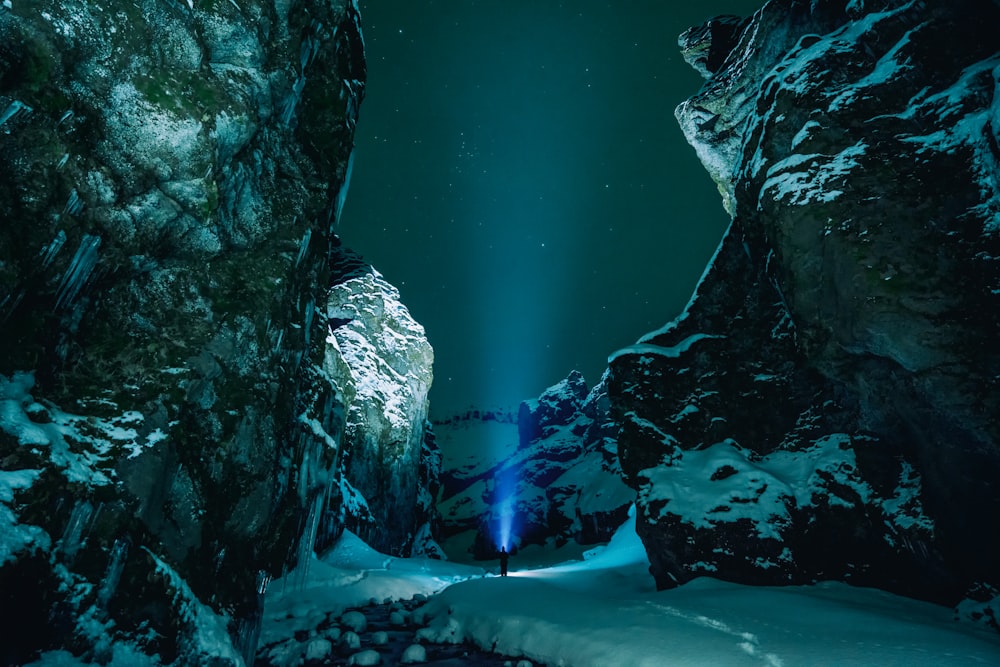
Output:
x,y
219,559
73,535
79,270
116,563
54,246
306,543
263,581
74,204
62,161
303,246
13,110
248,627
292,100
342,194
310,311
65,117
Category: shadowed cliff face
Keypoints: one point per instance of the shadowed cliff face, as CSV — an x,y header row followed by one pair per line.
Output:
x,y
826,405
171,431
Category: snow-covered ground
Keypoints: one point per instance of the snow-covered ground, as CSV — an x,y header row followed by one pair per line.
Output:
x,y
603,610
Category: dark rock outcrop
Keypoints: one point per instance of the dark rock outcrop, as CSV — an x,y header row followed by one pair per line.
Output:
x,y
826,406
551,477
172,424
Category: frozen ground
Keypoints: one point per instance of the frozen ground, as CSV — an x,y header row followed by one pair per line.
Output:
x,y
604,611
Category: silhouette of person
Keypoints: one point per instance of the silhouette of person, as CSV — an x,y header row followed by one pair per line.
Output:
x,y
504,558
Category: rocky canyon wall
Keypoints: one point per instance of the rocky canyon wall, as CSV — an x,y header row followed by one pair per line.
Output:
x,y
826,406
175,411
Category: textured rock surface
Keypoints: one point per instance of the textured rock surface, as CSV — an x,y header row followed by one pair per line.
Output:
x,y
388,374
551,476
172,417
826,405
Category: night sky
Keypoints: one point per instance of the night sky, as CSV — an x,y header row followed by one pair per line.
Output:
x,y
520,177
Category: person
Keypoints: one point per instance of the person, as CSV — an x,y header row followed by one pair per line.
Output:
x,y
504,558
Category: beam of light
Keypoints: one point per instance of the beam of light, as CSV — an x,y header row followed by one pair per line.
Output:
x,y
502,522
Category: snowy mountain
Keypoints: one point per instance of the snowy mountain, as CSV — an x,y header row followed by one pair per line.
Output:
x,y
825,407
548,477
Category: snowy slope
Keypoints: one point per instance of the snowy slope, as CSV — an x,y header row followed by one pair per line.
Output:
x,y
604,611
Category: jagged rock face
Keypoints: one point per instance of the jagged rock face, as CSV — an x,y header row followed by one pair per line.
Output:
x,y
826,405
172,175
384,361
562,483
541,417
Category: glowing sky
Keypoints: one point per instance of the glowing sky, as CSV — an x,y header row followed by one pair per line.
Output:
x,y
520,177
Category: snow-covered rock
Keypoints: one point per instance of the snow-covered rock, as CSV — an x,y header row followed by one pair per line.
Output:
x,y
826,405
355,621
383,363
550,476
413,654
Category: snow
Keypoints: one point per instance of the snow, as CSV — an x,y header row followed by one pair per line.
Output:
x,y
350,575
672,352
725,483
16,537
205,629
82,447
604,611
796,182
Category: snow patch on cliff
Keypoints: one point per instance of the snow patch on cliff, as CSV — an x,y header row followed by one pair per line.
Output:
x,y
725,483
81,447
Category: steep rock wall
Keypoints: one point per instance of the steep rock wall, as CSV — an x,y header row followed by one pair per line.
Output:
x,y
172,417
826,405
388,374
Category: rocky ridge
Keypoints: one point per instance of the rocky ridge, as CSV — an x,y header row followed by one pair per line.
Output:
x,y
830,391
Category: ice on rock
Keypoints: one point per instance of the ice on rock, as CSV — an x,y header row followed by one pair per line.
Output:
x,y
80,268
13,110
76,528
52,249
113,574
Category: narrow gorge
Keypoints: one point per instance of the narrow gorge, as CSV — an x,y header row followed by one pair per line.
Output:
x,y
203,388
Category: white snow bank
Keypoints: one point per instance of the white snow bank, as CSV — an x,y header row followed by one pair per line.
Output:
x,y
604,612
351,574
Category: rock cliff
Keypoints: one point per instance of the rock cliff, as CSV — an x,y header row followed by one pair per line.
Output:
x,y
826,406
174,421
387,373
